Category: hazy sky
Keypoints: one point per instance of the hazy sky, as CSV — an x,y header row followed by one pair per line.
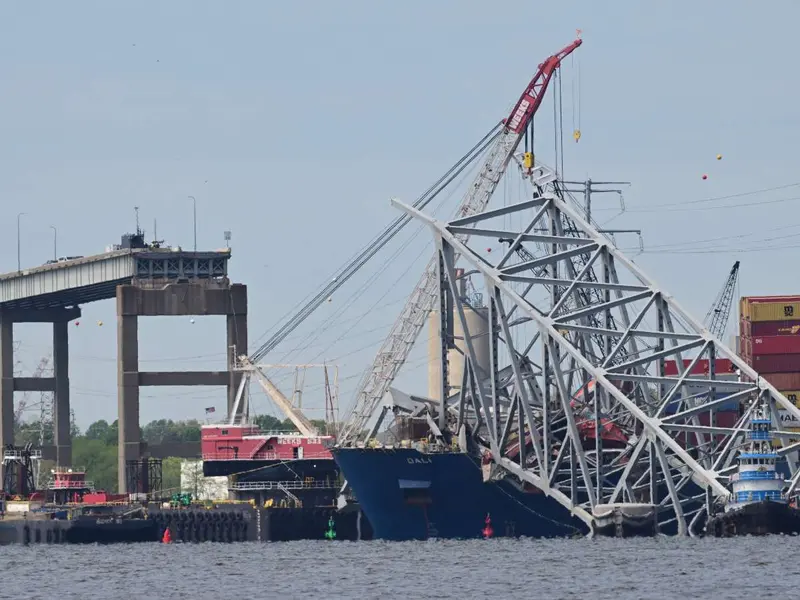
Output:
x,y
294,122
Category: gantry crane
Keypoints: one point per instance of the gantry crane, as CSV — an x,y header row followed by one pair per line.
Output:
x,y
717,316
392,355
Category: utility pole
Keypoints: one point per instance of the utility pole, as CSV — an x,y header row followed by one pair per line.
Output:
x,y
19,259
588,188
194,219
55,242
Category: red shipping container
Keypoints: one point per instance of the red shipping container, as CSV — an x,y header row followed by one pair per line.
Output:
x,y
750,329
774,344
722,419
776,363
723,367
784,381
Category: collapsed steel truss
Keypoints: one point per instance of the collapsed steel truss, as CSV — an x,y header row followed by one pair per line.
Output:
x,y
578,401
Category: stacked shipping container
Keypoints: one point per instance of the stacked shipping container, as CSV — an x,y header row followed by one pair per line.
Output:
x,y
769,340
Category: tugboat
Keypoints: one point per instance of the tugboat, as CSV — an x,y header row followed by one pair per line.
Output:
x,y
758,504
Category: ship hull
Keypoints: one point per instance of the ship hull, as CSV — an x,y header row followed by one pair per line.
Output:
x,y
408,495
758,518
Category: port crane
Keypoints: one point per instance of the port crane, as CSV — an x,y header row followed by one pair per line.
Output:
x,y
395,349
717,316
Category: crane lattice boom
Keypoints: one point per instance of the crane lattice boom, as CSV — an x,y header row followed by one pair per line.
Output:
x,y
717,317
392,355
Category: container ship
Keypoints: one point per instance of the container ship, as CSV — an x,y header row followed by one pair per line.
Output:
x,y
409,489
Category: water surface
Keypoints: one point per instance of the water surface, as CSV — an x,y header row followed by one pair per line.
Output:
x,y
533,569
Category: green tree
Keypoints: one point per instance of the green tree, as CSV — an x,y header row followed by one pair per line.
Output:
x,y
99,430
268,423
99,460
171,475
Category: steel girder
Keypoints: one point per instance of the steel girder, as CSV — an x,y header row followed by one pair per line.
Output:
x,y
589,414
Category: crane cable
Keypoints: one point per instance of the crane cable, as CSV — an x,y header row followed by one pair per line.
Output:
x,y
376,244
425,248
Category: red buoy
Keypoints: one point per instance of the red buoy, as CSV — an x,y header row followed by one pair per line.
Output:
x,y
487,530
167,538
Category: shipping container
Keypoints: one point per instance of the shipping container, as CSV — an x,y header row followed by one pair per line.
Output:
x,y
773,311
776,298
723,367
788,420
749,329
778,443
723,419
727,407
783,381
744,309
775,363
792,397
774,344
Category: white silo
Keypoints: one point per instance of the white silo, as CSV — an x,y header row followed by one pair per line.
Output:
x,y
478,326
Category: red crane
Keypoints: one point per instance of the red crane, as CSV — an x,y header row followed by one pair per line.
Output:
x,y
530,101
395,349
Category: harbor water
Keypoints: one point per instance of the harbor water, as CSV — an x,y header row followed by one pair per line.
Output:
x,y
502,568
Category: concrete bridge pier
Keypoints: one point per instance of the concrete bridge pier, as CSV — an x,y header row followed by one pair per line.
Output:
x,y
61,450
154,298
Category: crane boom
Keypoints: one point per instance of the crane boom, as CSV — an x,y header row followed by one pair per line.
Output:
x,y
717,317
304,426
395,349
372,248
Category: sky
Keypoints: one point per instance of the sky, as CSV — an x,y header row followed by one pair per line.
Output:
x,y
293,124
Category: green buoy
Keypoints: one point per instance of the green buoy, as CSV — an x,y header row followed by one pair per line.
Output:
x,y
331,533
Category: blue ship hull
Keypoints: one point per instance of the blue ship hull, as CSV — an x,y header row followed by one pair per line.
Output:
x,y
408,495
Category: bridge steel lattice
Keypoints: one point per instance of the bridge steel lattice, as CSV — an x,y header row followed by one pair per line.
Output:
x,y
567,364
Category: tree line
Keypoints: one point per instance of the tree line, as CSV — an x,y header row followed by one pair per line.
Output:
x,y
96,448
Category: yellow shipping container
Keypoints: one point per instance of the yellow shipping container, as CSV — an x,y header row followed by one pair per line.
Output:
x,y
758,312
744,308
793,397
777,443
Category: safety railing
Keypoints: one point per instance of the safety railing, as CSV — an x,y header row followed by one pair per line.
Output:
x,y
269,455
243,486
52,484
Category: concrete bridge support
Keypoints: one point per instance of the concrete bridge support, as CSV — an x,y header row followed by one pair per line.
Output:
x,y
61,452
151,298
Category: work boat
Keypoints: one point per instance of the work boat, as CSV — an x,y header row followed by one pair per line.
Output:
x,y
758,504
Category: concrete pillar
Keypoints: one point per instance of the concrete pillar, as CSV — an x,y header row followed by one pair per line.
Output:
x,y
61,425
128,391
6,381
236,321
237,338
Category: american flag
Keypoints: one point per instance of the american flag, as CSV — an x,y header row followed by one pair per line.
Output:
x,y
210,409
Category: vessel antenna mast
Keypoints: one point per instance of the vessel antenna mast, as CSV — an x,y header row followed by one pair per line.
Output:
x,y
395,349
